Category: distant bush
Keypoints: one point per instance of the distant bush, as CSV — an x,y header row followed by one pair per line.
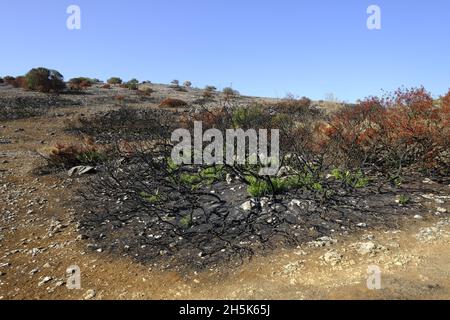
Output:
x,y
175,83
133,84
173,103
9,80
20,82
120,99
230,93
2,81
114,80
106,86
145,90
80,83
208,92
44,80
187,84
446,101
291,105
251,117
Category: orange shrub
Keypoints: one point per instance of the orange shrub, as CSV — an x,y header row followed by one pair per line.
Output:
x,y
404,129
173,103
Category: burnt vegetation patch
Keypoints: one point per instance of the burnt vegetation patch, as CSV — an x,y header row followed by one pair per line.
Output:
x,y
339,173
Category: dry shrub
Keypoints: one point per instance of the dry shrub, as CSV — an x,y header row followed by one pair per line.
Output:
x,y
173,103
114,80
403,129
291,105
78,84
9,80
106,86
20,82
71,155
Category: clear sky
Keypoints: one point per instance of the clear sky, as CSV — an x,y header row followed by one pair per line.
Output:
x,y
261,47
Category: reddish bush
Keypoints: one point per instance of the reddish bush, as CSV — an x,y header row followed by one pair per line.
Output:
x,y
106,86
9,80
79,84
173,103
20,82
446,100
404,129
71,155
291,105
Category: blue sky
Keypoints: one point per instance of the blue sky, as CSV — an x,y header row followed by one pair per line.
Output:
x,y
261,47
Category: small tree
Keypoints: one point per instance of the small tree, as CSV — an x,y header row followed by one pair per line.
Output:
x,y
187,84
44,80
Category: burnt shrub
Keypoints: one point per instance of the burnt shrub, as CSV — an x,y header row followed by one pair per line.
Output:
x,y
45,80
126,124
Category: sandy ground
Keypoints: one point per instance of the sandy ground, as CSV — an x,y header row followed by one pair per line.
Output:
x,y
38,242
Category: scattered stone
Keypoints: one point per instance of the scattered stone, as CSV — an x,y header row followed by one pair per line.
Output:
x,y
90,294
60,283
332,257
80,170
248,205
362,225
322,242
45,280
293,267
34,271
418,217
366,248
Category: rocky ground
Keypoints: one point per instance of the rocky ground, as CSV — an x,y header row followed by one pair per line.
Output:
x,y
39,238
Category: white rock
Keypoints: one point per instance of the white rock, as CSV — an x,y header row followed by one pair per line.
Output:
x,y
90,294
366,248
80,170
44,281
332,257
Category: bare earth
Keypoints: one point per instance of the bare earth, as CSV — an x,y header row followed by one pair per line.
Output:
x,y
38,239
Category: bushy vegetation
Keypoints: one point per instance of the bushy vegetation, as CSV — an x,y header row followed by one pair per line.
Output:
x,y
114,81
173,103
229,93
70,155
81,83
44,80
329,162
